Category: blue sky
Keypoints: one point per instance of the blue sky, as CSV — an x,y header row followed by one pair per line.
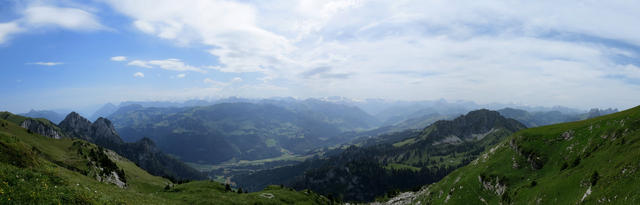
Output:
x,y
81,54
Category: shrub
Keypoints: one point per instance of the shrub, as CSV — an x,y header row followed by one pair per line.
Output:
x,y
564,166
576,162
594,178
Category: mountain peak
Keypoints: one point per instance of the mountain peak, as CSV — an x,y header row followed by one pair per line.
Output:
x,y
473,123
77,126
75,116
102,130
102,120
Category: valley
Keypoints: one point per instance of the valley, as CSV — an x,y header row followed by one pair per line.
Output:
x,y
361,161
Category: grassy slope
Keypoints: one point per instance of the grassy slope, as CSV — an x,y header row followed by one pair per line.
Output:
x,y
562,168
39,170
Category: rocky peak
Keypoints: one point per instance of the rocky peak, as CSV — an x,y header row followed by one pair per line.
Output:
x,y
102,130
77,126
469,125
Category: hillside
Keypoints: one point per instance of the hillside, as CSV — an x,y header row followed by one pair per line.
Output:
x,y
591,161
36,169
363,173
239,131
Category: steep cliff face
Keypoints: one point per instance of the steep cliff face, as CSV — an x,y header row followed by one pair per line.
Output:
x,y
42,128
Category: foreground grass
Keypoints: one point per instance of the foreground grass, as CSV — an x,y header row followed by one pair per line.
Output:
x,y
591,161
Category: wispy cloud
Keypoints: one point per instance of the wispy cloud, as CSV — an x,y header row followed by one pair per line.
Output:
x,y
168,64
216,83
69,18
46,63
38,16
139,63
118,58
7,29
138,75
229,28
325,73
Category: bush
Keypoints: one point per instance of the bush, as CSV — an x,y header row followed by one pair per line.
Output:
x,y
594,178
564,166
576,162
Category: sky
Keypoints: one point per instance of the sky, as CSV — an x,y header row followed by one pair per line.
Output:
x,y
66,54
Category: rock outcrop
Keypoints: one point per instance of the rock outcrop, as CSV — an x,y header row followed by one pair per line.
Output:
x,y
41,128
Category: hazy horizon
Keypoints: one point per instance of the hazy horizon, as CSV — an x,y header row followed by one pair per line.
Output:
x,y
88,110
81,54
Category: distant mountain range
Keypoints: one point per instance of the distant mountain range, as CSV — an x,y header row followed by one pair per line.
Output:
x,y
387,112
50,115
540,118
242,131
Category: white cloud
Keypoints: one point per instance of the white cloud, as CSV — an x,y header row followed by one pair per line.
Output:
x,y
168,64
46,63
138,75
118,58
7,29
139,63
181,75
37,16
228,27
144,26
540,52
174,64
69,18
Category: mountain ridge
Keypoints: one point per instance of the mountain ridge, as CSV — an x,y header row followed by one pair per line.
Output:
x,y
143,153
589,161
